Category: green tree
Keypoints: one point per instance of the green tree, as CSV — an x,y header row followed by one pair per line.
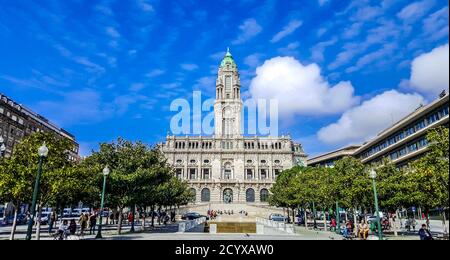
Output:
x,y
430,174
18,173
136,172
352,185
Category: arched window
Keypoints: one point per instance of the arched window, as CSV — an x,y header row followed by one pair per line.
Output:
x,y
193,194
206,195
228,196
250,195
264,195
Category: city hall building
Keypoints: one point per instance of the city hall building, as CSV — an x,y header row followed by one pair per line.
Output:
x,y
229,168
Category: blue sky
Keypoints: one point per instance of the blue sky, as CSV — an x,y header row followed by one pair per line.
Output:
x,y
103,69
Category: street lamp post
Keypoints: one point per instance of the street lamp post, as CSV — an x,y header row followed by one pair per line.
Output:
x,y
43,152
338,221
105,174
373,176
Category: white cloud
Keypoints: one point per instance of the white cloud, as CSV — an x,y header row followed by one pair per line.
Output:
x,y
253,60
415,11
387,31
323,2
352,30
384,51
363,122
317,52
430,72
112,32
135,87
367,13
290,49
217,56
435,26
206,83
145,6
155,73
249,29
189,66
287,30
84,106
300,89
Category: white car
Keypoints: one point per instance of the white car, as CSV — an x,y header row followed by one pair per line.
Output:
x,y
277,217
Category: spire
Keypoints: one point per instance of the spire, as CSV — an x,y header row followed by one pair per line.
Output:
x,y
228,59
228,52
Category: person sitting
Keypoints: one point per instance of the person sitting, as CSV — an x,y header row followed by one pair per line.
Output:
x,y
424,233
63,230
363,230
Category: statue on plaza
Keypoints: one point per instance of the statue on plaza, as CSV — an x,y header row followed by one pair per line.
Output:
x,y
228,196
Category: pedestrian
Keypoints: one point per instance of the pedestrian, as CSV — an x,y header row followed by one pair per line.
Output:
x,y
92,223
83,221
62,230
130,217
363,230
413,224
333,224
51,222
166,219
424,233
349,226
173,216
72,226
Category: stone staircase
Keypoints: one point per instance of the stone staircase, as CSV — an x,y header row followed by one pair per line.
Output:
x,y
253,210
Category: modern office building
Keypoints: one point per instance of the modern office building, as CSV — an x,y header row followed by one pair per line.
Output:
x,y
403,142
406,140
328,159
18,121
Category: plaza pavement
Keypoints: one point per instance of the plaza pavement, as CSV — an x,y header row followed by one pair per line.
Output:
x,y
170,232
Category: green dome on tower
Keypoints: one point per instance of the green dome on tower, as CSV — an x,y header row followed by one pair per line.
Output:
x,y
228,60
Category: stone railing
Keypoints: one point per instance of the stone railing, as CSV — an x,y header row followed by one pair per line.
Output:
x,y
190,225
288,228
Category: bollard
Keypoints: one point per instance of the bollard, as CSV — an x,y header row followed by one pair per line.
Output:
x,y
260,229
213,229
182,227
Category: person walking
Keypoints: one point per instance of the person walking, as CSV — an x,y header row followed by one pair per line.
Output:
x,y
424,233
92,223
51,222
83,221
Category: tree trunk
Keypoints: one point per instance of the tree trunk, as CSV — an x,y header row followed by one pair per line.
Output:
x,y
306,220
324,221
13,228
119,225
443,222
144,211
355,222
38,221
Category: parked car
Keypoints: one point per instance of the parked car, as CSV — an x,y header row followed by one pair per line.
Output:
x,y
277,217
21,219
45,216
192,216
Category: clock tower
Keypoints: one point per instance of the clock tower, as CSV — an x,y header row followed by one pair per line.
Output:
x,y
228,104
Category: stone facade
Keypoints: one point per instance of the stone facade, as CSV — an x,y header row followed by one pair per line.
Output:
x,y
18,121
228,167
